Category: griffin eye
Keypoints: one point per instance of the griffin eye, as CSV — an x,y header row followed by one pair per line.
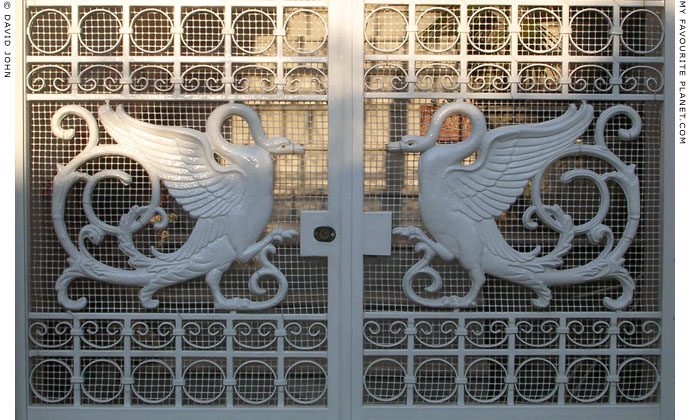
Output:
x,y
283,146
410,143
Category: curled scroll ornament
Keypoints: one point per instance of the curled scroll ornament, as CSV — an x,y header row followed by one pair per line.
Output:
x,y
475,220
231,199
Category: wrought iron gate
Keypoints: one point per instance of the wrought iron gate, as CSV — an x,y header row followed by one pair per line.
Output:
x,y
347,288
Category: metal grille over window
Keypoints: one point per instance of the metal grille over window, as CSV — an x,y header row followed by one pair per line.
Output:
x,y
171,66
517,64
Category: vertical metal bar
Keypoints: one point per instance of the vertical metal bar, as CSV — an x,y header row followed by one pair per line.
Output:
x,y
411,45
280,368
613,359
351,27
229,371
280,39
74,54
562,342
127,362
409,363
565,66
343,325
514,47
76,363
227,71
667,388
461,359
511,360
464,36
177,48
178,362
616,68
125,47
21,235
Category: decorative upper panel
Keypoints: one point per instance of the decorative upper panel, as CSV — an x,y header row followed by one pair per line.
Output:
x,y
514,49
178,50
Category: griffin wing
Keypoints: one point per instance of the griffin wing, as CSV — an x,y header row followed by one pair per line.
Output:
x,y
182,158
508,158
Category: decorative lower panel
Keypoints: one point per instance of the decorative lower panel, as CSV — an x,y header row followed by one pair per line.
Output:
x,y
178,360
511,358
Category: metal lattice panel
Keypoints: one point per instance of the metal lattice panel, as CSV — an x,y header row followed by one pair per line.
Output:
x,y
174,59
518,64
173,64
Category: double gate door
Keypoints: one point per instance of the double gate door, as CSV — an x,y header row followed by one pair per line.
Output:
x,y
354,271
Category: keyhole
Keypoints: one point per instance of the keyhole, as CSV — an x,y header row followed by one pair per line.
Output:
x,y
324,234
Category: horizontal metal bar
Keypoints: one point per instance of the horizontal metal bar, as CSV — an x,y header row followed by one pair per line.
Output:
x,y
268,354
535,3
532,352
169,59
480,58
173,316
509,315
496,96
516,412
183,3
200,412
171,97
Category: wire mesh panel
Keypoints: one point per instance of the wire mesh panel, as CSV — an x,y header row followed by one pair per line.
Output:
x,y
172,66
517,63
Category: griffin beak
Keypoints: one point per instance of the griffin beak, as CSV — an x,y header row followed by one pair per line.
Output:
x,y
395,146
297,149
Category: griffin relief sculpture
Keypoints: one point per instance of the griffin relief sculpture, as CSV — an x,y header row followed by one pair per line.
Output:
x,y
459,203
231,203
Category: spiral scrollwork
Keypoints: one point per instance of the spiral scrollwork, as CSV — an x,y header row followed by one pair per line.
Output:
x,y
47,335
309,338
435,334
642,79
206,336
48,78
100,76
98,336
537,333
639,334
305,79
486,334
255,336
390,334
203,78
385,77
437,77
539,78
154,77
489,78
157,335
590,78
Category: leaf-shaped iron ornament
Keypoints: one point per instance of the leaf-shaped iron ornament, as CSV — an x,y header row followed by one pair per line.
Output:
x,y
459,203
231,203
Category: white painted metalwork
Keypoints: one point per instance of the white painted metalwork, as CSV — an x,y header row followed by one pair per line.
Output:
x,y
348,339
459,203
231,202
